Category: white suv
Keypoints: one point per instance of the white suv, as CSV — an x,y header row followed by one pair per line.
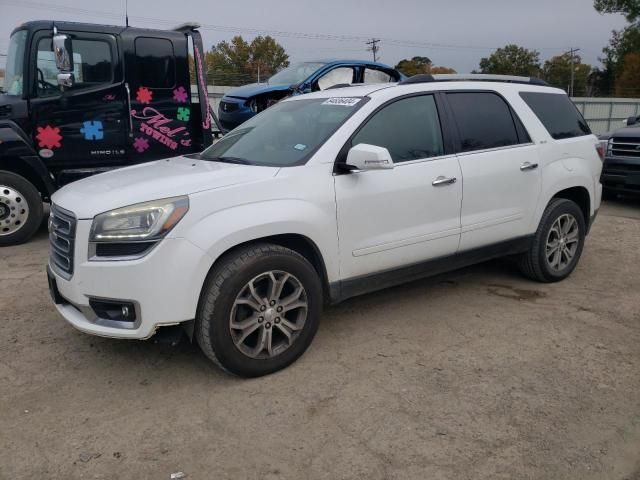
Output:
x,y
320,198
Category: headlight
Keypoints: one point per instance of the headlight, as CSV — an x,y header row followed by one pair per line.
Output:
x,y
141,222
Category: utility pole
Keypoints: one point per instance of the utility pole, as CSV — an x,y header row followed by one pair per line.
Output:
x,y
374,48
572,53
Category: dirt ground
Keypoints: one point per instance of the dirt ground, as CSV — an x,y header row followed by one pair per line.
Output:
x,y
477,374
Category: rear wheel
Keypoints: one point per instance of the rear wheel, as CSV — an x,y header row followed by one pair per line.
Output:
x,y
20,209
259,310
558,243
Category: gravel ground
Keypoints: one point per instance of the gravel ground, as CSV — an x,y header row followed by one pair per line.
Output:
x,y
476,374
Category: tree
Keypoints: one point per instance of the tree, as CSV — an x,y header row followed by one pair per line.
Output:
x,y
414,66
628,84
512,60
420,65
557,71
436,70
238,62
629,8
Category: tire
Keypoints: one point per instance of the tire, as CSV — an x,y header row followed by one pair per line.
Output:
x,y
535,263
20,209
227,301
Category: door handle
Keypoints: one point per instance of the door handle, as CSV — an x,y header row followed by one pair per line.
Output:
x,y
528,166
441,181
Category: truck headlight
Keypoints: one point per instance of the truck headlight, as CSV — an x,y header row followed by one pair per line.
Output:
x,y
141,222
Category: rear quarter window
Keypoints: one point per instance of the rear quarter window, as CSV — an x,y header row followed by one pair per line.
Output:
x,y
557,113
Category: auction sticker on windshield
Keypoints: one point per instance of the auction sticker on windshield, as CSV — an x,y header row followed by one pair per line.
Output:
x,y
343,101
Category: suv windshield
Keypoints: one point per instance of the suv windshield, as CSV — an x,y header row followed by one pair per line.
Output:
x,y
295,73
13,76
286,134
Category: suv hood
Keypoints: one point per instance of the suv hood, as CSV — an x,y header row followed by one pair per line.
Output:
x,y
254,89
151,181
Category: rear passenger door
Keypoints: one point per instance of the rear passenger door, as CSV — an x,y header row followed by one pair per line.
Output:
x,y
411,213
501,178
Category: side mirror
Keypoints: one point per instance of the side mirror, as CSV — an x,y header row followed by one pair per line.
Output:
x,y
63,53
631,121
66,79
364,157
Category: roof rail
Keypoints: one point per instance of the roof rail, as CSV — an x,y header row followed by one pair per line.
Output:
x,y
187,27
472,77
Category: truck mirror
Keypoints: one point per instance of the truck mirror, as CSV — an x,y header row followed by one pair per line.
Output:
x,y
66,79
63,52
631,121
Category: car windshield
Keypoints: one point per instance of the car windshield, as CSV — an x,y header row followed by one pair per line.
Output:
x,y
13,76
286,134
295,73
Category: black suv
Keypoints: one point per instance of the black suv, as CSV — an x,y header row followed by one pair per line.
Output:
x,y
621,171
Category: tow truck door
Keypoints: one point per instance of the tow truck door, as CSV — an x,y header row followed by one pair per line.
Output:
x,y
84,127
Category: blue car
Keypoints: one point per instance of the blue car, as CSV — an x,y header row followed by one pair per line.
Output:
x,y
240,104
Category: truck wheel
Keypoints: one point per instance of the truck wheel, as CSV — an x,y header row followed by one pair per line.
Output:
x,y
20,209
557,244
259,310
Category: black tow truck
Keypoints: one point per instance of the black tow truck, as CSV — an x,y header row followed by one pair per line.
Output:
x,y
621,169
81,99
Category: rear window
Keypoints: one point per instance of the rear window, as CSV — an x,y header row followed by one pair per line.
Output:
x,y
558,114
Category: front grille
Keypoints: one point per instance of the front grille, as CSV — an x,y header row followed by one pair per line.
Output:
x,y
62,233
625,147
228,107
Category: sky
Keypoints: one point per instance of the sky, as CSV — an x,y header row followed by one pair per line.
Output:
x,y
452,33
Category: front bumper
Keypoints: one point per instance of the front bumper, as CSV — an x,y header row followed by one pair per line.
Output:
x,y
233,112
621,174
164,286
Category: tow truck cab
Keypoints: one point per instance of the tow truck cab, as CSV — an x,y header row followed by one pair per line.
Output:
x,y
81,99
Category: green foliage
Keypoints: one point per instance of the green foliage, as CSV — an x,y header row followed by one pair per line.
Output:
x,y
239,62
557,71
420,65
629,8
414,66
628,83
512,60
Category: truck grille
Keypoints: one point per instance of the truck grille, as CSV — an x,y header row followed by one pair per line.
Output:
x,y
62,233
625,147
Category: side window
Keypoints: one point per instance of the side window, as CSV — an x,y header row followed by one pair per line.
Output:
x,y
335,77
484,120
557,113
92,65
371,75
155,62
409,128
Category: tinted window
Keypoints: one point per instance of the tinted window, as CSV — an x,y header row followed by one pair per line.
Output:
x,y
155,63
484,120
408,128
92,65
557,113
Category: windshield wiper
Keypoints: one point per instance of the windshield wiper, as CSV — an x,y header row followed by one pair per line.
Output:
x,y
237,160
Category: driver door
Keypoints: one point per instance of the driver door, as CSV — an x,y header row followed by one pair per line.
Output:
x,y
86,126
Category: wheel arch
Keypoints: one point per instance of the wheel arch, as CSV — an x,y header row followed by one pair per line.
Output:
x,y
579,195
295,241
32,170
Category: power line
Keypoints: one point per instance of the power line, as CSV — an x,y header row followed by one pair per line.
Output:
x,y
257,31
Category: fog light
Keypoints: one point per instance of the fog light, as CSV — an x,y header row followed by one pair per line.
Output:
x,y
115,310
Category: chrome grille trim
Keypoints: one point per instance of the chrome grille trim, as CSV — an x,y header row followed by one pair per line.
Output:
x,y
62,232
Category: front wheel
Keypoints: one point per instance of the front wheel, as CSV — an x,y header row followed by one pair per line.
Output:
x,y
259,310
558,243
20,209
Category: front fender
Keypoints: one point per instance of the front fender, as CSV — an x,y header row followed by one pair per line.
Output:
x,y
14,142
220,231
